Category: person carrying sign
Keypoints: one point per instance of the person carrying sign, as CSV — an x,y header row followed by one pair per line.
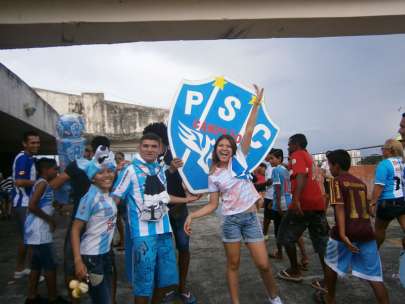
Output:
x,y
229,179
142,186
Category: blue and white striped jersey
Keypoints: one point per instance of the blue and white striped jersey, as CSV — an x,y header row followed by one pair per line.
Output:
x,y
23,168
36,230
389,173
129,187
99,211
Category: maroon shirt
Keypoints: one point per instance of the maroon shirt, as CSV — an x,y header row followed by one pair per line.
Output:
x,y
352,193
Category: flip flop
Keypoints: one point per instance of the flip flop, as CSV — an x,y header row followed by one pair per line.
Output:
x,y
319,285
319,297
284,275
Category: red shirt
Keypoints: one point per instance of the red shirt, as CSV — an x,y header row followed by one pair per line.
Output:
x,y
311,198
351,192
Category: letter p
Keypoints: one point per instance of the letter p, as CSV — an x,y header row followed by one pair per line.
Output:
x,y
193,98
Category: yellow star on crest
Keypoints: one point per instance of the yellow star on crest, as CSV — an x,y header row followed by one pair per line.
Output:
x,y
253,100
220,82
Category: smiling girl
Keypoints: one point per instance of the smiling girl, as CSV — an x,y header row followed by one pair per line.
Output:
x,y
230,179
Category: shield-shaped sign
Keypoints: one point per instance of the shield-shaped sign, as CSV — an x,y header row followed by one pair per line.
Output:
x,y
204,110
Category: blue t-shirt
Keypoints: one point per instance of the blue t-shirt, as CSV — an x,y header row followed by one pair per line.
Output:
x,y
23,168
36,230
281,176
389,174
129,187
99,211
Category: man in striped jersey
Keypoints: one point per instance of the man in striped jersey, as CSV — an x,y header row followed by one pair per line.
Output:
x,y
24,176
154,267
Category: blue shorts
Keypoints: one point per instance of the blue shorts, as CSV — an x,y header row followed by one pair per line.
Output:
x,y
177,222
154,264
43,257
365,265
240,226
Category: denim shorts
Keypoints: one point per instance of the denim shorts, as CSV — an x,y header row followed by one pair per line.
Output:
x,y
154,264
43,257
177,221
100,266
240,226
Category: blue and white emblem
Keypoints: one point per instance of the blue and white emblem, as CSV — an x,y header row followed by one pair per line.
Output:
x,y
204,110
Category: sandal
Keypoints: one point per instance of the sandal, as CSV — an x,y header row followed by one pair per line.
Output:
x,y
319,285
284,275
319,297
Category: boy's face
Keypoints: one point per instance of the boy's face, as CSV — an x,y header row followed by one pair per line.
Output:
x,y
104,179
31,145
274,161
334,169
149,150
52,172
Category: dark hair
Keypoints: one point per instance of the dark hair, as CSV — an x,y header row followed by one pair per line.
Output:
x,y
150,136
120,153
300,140
44,163
27,134
277,153
263,165
215,159
403,114
339,157
99,141
160,129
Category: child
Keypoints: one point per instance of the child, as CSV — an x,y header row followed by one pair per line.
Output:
x,y
230,179
259,179
96,215
38,230
352,243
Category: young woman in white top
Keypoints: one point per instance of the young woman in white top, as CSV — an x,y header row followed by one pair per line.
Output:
x,y
230,180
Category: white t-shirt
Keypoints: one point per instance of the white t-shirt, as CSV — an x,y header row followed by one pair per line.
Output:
x,y
269,189
238,194
99,211
325,166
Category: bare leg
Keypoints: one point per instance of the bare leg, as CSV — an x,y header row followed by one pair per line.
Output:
x,y
330,282
292,256
380,227
33,284
304,256
21,255
380,292
184,262
50,277
232,251
258,252
141,300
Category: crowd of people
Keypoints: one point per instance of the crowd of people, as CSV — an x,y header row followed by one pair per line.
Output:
x,y
146,200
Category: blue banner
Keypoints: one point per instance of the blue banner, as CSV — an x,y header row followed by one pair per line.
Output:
x,y
204,110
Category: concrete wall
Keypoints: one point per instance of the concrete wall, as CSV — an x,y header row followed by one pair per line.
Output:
x,y
122,122
27,23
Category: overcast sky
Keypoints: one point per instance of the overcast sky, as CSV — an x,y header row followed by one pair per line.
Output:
x,y
341,92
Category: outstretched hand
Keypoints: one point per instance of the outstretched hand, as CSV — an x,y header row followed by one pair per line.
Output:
x,y
187,225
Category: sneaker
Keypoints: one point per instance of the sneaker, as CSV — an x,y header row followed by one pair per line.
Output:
x,y
170,297
276,300
21,274
188,298
41,279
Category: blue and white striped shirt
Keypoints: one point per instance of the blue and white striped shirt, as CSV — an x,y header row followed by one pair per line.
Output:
x,y
23,168
129,187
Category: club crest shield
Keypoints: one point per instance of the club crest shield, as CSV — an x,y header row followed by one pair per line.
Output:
x,y
204,110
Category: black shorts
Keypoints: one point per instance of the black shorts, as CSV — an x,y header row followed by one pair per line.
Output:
x,y
292,227
43,257
20,214
268,204
387,210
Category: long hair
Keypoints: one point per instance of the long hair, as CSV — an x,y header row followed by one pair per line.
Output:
x,y
395,147
215,159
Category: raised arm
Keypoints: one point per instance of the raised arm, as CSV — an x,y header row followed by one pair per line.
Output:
x,y
251,123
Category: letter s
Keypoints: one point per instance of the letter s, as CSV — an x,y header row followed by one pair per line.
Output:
x,y
229,101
